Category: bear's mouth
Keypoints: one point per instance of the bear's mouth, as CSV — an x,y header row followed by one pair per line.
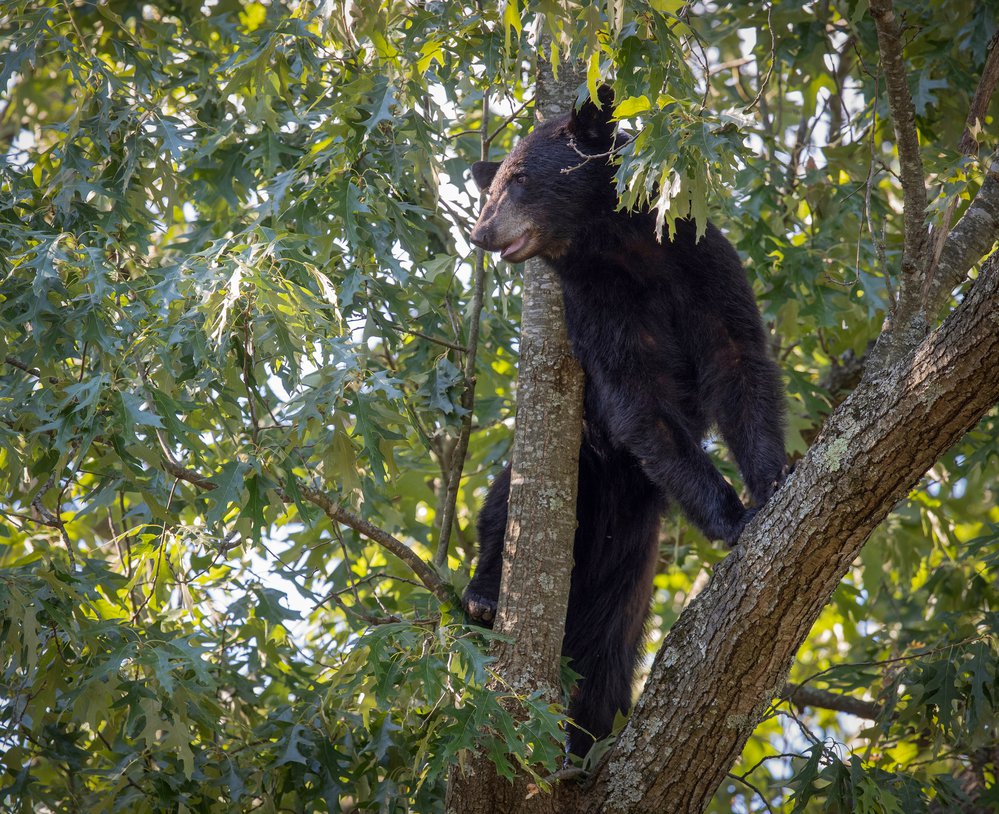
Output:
x,y
519,249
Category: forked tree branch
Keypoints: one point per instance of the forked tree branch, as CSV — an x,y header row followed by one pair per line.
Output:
x,y
729,653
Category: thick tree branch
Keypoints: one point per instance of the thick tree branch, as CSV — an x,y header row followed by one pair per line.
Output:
x,y
713,678
907,324
541,521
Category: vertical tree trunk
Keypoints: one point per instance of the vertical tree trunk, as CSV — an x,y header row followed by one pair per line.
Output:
x,y
729,653
542,513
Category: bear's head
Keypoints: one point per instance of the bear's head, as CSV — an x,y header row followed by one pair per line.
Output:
x,y
547,189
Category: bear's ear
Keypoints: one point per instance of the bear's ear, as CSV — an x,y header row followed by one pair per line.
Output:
x,y
594,122
483,172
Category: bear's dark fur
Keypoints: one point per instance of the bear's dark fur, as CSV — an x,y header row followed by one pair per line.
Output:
x,y
671,342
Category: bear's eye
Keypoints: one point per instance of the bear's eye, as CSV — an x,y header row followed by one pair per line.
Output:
x,y
520,178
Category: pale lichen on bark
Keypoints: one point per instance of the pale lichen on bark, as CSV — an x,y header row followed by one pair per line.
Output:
x,y
535,578
779,578
835,452
713,680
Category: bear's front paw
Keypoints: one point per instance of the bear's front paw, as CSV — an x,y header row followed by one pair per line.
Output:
x,y
736,531
479,608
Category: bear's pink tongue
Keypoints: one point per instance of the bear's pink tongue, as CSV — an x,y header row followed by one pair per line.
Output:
x,y
514,247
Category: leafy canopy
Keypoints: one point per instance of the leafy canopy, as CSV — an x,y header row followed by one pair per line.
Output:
x,y
233,275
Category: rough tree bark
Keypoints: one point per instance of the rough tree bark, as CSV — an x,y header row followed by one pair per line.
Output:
x,y
712,682
537,559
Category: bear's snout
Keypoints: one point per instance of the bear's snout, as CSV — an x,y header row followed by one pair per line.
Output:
x,y
479,236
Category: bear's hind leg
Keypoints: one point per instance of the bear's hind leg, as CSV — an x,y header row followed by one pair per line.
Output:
x,y
609,602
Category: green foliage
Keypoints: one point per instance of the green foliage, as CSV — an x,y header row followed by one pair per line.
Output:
x,y
232,270
192,707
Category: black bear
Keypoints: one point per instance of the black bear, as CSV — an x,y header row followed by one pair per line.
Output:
x,y
671,342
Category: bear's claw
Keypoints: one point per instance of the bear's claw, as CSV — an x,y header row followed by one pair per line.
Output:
x,y
733,537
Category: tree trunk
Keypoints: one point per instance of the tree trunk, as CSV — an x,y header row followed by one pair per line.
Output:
x,y
713,679
728,655
537,559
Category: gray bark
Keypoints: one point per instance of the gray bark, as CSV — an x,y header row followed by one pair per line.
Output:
x,y
712,680
541,525
906,325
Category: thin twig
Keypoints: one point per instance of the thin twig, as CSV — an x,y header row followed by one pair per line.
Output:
x,y
54,519
456,464
766,758
31,371
423,571
811,697
879,246
357,609
151,583
435,339
898,659
159,559
83,362
588,157
41,521
251,393
79,34
756,791
773,59
504,124
34,371
802,138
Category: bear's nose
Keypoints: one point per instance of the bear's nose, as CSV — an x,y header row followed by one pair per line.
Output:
x,y
478,236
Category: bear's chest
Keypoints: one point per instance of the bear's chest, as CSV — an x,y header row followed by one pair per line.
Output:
x,y
620,326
